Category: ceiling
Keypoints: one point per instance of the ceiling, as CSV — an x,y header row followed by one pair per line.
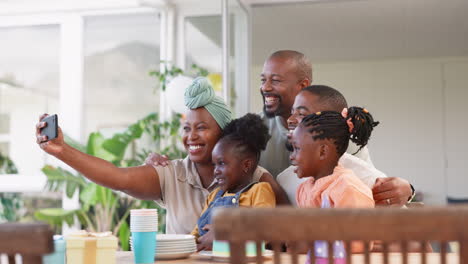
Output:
x,y
362,29
325,30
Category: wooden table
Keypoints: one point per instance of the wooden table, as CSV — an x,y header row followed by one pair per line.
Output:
x,y
126,257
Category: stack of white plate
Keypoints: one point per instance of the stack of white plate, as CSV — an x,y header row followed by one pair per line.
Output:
x,y
170,246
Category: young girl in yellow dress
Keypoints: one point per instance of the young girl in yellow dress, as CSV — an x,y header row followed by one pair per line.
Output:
x,y
235,157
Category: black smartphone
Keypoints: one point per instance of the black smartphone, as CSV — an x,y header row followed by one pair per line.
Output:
x,y
51,129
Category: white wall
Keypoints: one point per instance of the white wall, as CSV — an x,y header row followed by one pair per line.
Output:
x,y
409,97
456,94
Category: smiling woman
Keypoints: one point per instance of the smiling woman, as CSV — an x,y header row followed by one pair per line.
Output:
x,y
184,184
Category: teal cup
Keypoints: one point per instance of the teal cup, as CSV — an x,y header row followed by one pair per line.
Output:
x,y
58,256
144,247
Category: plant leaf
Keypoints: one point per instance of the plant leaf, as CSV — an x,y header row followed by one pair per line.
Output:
x,y
58,178
56,216
124,234
88,196
120,141
75,144
95,148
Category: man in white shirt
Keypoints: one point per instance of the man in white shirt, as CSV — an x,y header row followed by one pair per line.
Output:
x,y
308,101
285,73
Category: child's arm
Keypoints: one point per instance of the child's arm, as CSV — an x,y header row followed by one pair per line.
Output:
x,y
280,195
354,198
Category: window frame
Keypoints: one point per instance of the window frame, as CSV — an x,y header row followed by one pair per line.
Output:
x,y
71,81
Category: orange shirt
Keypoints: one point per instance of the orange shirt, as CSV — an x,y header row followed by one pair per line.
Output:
x,y
343,189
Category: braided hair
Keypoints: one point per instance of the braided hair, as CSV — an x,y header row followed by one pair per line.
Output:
x,y
248,133
332,125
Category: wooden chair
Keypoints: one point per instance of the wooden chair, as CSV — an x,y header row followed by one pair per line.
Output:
x,y
293,226
31,241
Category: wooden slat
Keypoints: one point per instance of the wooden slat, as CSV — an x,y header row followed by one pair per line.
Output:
x,y
365,224
277,252
464,251
349,259
259,257
33,239
11,259
27,259
366,253
404,252
443,252
382,224
330,251
237,252
312,252
385,248
292,248
423,252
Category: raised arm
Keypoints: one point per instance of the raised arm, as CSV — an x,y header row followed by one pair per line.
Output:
x,y
140,182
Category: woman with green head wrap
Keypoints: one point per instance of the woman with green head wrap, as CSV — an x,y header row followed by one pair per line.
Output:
x,y
183,185
201,94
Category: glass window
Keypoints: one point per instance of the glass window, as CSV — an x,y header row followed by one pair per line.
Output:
x,y
238,58
29,86
120,50
203,42
4,123
4,148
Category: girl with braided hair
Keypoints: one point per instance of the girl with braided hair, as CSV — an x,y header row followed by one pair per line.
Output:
x,y
319,142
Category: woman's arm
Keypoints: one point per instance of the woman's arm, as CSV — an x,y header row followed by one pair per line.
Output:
x,y
141,182
280,194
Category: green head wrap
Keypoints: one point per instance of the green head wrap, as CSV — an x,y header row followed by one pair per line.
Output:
x,y
201,94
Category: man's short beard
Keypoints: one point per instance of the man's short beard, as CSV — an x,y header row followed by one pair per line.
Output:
x,y
269,114
278,111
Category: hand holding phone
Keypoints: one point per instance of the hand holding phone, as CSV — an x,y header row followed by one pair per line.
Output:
x,y
49,136
51,128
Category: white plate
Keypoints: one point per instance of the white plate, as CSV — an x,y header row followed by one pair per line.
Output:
x,y
173,237
163,238
173,244
177,250
174,255
174,251
266,254
171,250
179,247
193,250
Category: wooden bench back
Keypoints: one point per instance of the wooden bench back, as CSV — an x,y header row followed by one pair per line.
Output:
x,y
293,225
31,241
